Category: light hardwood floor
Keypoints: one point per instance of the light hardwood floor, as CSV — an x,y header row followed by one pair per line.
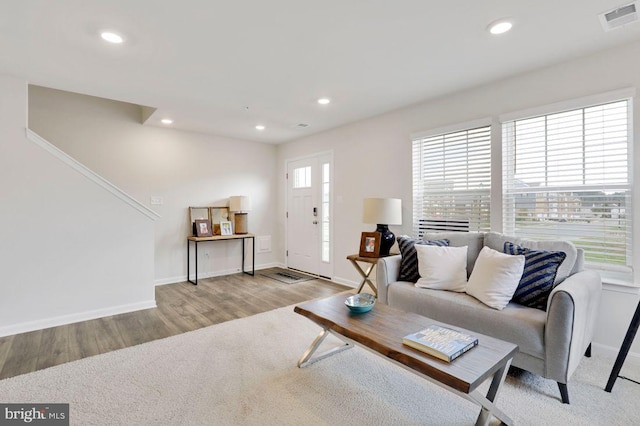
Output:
x,y
181,307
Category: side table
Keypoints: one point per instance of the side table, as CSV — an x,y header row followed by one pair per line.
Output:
x,y
371,261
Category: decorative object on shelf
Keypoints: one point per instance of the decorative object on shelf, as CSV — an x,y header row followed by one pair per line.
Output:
x,y
203,228
240,205
383,212
370,244
225,228
201,213
217,215
360,303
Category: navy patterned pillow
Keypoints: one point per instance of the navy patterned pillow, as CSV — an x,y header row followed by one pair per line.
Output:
x,y
409,262
540,268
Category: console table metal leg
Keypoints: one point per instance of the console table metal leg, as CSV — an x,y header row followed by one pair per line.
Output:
x,y
195,243
253,256
243,242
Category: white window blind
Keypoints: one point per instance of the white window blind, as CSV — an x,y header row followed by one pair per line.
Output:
x,y
567,176
452,179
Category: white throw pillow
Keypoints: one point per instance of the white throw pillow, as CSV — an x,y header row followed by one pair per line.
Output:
x,y
442,268
495,277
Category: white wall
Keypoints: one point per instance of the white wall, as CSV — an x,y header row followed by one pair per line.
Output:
x,y
69,249
184,168
373,157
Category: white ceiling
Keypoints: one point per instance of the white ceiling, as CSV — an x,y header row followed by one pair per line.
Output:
x,y
203,62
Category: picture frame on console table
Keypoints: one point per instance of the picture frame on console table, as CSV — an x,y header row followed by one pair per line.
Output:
x,y
203,228
370,244
226,228
197,213
217,215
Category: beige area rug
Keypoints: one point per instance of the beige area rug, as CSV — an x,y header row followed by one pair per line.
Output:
x,y
244,372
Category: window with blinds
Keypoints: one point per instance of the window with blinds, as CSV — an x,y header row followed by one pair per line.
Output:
x,y
452,179
567,176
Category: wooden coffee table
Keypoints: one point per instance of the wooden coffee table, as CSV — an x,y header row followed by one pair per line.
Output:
x,y
381,331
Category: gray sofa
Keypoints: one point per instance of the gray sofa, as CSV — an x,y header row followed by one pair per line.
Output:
x,y
551,343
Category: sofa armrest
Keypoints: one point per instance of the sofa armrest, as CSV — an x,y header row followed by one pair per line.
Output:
x,y
388,271
571,315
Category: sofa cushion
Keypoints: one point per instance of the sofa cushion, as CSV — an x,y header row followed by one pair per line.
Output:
x,y
496,241
540,270
442,268
473,240
409,262
516,323
495,277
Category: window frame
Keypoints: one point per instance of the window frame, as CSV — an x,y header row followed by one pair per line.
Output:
x,y
622,275
443,131
497,196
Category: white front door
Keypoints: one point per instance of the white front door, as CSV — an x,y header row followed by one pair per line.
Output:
x,y
308,215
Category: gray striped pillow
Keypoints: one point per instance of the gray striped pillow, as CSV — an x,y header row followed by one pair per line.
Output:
x,y
540,270
409,261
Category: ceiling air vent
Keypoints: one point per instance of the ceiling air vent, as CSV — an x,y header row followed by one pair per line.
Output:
x,y
302,125
618,17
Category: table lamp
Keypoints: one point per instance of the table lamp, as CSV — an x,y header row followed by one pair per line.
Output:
x,y
240,205
383,212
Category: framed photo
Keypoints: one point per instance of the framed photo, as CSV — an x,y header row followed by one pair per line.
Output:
x,y
217,215
197,213
225,228
370,244
203,228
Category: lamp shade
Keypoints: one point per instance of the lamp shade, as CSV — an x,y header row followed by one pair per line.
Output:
x,y
387,211
239,203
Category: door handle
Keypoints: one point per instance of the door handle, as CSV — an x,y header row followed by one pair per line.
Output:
x,y
315,222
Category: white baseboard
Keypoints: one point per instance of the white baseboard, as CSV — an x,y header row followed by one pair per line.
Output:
x,y
219,273
345,281
77,317
612,352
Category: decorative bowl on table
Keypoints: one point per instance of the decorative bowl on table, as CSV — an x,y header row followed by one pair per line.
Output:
x,y
360,303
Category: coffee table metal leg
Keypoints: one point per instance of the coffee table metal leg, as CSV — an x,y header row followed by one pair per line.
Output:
x,y
488,402
306,356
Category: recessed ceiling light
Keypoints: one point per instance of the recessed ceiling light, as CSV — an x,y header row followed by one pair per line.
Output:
x,y
500,27
167,121
324,101
112,37
260,127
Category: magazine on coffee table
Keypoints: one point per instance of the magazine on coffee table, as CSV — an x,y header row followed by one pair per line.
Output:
x,y
441,342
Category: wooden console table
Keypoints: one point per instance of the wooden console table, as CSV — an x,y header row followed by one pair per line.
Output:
x,y
242,237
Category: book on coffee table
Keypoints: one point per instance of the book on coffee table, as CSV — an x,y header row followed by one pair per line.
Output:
x,y
441,342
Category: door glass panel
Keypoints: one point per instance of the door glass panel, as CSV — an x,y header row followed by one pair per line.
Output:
x,y
325,213
302,177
